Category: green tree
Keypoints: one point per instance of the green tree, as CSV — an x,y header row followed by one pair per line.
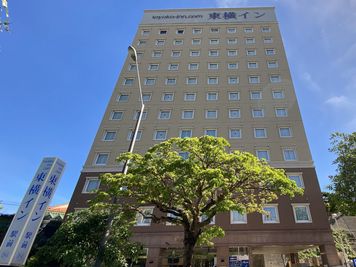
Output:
x,y
343,184
190,180
76,242
342,243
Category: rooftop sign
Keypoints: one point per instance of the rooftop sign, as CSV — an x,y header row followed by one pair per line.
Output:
x,y
209,16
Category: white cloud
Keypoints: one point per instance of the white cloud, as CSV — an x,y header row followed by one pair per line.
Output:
x,y
338,101
312,85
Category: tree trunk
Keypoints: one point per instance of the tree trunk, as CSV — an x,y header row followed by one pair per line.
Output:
x,y
190,239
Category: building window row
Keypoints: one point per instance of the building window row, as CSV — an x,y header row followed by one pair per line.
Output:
x,y
211,80
197,31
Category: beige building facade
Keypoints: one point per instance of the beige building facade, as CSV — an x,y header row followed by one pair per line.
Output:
x,y
220,72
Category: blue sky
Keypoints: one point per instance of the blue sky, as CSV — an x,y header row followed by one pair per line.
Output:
x,y
60,62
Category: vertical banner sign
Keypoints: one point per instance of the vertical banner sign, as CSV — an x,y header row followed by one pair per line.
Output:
x,y
23,229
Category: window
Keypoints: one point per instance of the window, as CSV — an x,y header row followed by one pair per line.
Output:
x,y
272,64
255,95
265,29
139,55
131,133
197,31
278,94
141,43
289,154
248,30
297,178
211,132
163,32
212,96
128,81
260,133
233,80
116,115
234,113
178,42
171,81
91,185
211,114
160,42
267,40
136,114
270,52
231,30
281,112
237,217
109,136
213,66
156,53
173,66
123,98
271,215
196,42
141,219
213,80
176,53
275,78
251,52
232,53
232,66
250,40
252,65
213,53
234,133
187,114
257,113
153,67
231,41
254,79
214,30
262,154
195,53
189,97
185,133
146,97
145,32
180,31
193,66
301,213
164,115
285,132
160,135
214,41
167,97
234,96
205,217
150,81
192,80
132,67
101,158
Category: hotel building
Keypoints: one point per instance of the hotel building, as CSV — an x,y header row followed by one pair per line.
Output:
x,y
219,72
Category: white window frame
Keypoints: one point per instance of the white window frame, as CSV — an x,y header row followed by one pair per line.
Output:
x,y
233,80
176,53
140,221
300,183
182,130
132,67
255,130
208,111
129,81
231,30
253,110
231,41
302,205
196,41
131,133
144,95
141,43
160,42
270,51
164,111
87,182
97,155
214,30
180,31
206,132
279,92
250,40
232,53
234,137
232,66
275,78
213,53
157,53
194,53
272,64
210,94
113,113
255,92
280,108
213,64
169,81
243,215
190,100
214,41
263,150
178,42
251,52
254,79
287,149
166,94
193,64
264,217
170,66
153,67
252,65
192,80
150,81
213,78
122,100
265,29
248,30
145,32
280,130
163,32
136,113
235,92
197,30
192,111
156,132
106,134
232,110
267,40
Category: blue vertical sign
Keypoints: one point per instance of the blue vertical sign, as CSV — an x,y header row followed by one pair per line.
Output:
x,y
23,229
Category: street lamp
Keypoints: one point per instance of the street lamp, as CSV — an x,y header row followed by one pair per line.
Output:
x,y
133,55
98,262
